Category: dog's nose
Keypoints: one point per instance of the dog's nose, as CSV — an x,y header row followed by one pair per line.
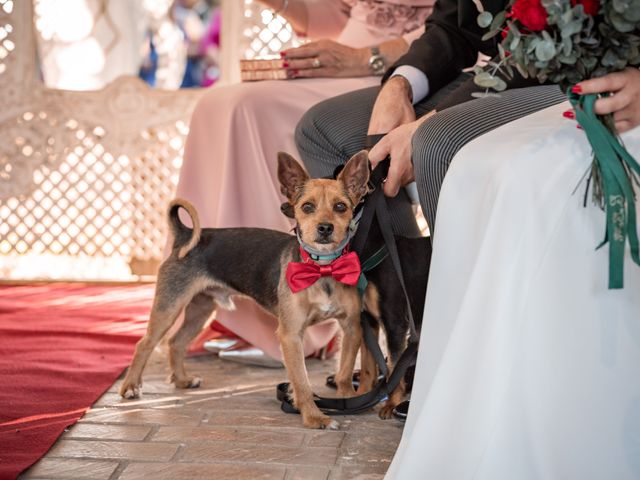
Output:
x,y
325,229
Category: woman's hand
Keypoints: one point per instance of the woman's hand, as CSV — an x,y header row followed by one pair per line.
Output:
x,y
625,101
326,58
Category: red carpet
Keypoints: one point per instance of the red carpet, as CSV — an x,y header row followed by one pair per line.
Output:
x,y
61,347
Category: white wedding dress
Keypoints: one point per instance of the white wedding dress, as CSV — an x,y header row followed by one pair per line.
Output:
x,y
529,367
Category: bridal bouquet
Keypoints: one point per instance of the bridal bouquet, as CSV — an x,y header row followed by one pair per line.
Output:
x,y
565,42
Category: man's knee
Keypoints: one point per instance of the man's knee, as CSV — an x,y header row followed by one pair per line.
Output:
x,y
431,148
307,129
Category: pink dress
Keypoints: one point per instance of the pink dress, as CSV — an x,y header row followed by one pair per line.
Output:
x,y
229,169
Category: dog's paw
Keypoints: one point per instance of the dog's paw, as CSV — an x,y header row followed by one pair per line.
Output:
x,y
129,391
346,392
321,422
386,411
189,382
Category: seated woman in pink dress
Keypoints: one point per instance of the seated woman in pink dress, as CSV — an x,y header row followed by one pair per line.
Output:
x,y
229,170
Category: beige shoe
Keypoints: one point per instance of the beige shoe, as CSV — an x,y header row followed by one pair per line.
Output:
x,y
216,345
250,356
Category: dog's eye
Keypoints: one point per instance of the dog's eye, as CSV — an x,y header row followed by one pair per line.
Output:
x,y
308,207
340,207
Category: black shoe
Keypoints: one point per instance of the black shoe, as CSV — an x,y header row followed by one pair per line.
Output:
x,y
400,412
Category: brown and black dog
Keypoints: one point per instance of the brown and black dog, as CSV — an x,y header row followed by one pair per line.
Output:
x,y
207,267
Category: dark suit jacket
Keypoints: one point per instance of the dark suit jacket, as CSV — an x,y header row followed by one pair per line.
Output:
x,y
450,43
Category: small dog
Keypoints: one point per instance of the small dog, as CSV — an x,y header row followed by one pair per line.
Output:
x,y
207,267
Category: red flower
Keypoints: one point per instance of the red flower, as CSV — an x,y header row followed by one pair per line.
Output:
x,y
590,7
531,14
505,32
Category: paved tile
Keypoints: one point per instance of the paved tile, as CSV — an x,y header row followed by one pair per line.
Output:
x,y
158,452
71,468
325,439
200,471
359,473
307,473
137,416
258,454
250,418
99,431
229,434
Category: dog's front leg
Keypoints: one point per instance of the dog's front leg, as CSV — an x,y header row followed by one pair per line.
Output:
x,y
351,340
293,354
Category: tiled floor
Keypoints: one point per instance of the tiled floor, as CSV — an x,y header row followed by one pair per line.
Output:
x,y
229,428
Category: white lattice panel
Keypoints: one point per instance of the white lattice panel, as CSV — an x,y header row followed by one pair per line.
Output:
x,y
265,33
85,177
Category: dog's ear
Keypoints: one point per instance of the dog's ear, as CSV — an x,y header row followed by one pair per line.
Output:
x,y
291,175
355,176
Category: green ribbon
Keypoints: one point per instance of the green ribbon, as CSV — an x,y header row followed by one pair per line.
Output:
x,y
615,166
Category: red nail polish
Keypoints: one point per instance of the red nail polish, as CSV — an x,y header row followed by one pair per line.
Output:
x,y
579,127
569,114
285,64
296,72
577,89
283,54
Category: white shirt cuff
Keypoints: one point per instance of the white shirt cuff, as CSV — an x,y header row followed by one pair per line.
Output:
x,y
416,78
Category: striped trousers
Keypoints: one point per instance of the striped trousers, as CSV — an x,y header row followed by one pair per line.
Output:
x,y
335,129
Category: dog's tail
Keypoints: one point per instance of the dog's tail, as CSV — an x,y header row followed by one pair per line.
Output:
x,y
184,238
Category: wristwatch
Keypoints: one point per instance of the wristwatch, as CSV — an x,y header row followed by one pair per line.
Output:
x,y
376,62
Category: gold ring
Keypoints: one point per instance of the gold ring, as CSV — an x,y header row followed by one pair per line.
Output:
x,y
316,63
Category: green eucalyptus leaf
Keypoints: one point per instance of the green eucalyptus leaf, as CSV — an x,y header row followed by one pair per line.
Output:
x,y
545,50
620,5
632,14
532,43
523,71
568,59
620,24
571,28
501,51
485,19
610,59
500,85
567,46
498,20
589,62
508,71
486,80
514,42
490,35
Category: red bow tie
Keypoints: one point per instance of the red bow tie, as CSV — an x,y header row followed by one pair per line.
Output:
x,y
344,269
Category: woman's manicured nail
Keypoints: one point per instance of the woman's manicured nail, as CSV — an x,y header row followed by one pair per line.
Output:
x,y
283,54
579,127
285,64
569,114
577,89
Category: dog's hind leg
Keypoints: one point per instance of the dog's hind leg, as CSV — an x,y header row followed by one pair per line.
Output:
x,y
169,300
368,367
195,315
396,345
